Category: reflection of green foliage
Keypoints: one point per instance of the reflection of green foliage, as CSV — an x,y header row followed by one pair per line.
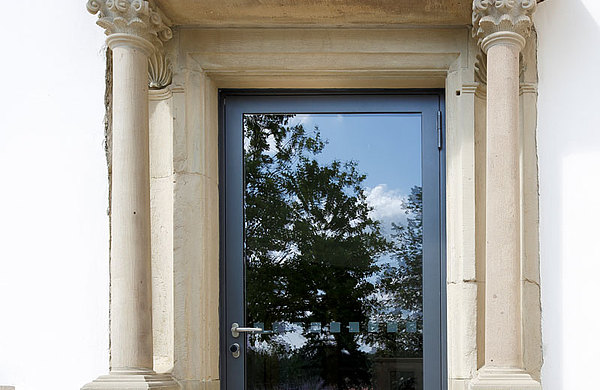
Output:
x,y
405,384
311,251
310,243
402,283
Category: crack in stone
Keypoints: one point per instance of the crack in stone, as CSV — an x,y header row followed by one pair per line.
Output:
x,y
532,282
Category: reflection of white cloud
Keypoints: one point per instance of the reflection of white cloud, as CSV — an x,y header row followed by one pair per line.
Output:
x,y
387,204
309,121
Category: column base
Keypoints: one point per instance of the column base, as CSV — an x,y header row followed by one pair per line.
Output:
x,y
495,378
133,381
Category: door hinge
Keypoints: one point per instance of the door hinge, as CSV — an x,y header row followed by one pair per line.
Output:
x,y
439,129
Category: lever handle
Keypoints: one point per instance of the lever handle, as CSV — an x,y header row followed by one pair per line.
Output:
x,y
236,330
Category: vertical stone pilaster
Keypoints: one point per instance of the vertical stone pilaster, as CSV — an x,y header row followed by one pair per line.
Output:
x,y
502,27
161,203
135,33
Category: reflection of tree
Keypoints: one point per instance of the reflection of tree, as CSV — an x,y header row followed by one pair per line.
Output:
x,y
311,251
402,282
310,244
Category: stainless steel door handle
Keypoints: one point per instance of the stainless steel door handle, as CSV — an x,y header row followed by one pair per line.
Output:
x,y
236,330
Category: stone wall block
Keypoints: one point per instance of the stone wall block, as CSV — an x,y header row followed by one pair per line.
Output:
x,y
196,273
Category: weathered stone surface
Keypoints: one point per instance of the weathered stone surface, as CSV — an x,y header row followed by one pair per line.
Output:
x,y
501,28
140,20
493,16
133,17
184,159
254,13
135,32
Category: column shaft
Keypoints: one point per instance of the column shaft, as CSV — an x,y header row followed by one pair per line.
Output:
x,y
131,296
135,32
503,309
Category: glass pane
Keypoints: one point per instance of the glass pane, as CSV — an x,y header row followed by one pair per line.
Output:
x,y
333,251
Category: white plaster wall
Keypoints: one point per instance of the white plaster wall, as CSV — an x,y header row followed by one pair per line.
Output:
x,y
53,197
569,166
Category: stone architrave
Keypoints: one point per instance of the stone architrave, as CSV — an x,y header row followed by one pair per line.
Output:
x,y
501,28
135,33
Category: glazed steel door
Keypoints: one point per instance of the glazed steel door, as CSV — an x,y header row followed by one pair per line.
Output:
x,y
332,241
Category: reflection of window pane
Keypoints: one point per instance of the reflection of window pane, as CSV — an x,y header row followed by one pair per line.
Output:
x,y
333,251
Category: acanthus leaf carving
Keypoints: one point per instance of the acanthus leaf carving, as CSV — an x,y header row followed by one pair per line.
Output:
x,y
490,16
140,18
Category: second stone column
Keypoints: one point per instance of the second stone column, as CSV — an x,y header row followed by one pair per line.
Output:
x,y
502,27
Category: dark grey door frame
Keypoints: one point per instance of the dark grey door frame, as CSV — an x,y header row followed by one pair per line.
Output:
x,y
428,103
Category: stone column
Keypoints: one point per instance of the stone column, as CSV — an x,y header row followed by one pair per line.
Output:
x,y
134,30
502,27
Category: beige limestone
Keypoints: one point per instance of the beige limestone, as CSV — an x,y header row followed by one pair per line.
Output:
x,y
131,283
131,335
530,247
184,176
161,204
502,28
330,13
196,219
480,220
208,59
460,221
503,313
131,304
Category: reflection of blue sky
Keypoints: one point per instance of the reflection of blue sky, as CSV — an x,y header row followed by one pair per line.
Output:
x,y
387,148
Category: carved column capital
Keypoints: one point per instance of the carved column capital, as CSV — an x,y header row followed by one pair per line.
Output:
x,y
137,23
502,20
138,18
